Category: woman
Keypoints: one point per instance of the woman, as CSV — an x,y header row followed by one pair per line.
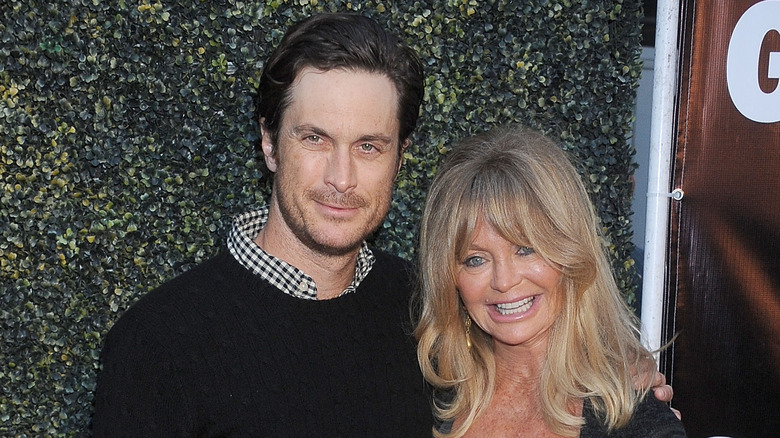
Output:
x,y
522,329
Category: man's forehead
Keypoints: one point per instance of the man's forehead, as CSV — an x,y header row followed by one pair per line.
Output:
x,y
343,100
347,75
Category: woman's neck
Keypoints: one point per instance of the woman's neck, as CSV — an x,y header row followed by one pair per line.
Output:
x,y
519,365
515,407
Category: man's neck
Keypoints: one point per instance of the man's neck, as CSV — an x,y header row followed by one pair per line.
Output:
x,y
331,273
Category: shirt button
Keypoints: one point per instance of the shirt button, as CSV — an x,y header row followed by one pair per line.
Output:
x,y
303,286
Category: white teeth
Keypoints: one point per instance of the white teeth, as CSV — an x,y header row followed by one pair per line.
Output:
x,y
516,307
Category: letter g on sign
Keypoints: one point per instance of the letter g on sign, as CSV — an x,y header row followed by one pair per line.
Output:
x,y
742,73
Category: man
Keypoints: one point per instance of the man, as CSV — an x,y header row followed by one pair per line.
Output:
x,y
298,328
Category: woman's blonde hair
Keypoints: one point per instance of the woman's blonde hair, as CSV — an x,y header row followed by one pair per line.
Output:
x,y
523,184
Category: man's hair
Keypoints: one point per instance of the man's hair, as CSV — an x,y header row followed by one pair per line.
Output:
x,y
340,41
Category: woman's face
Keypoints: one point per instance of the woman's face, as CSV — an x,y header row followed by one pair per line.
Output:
x,y
510,291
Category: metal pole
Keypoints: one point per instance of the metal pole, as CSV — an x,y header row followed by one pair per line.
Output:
x,y
659,173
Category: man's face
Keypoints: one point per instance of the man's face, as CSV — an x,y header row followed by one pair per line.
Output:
x,y
336,158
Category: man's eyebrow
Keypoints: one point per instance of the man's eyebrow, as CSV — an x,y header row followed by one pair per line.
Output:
x,y
381,138
309,129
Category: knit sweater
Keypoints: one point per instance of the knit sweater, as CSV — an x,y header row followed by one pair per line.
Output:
x,y
219,352
652,418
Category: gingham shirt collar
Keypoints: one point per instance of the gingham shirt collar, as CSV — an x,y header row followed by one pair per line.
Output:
x,y
281,275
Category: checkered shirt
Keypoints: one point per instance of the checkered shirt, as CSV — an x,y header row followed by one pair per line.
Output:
x,y
283,276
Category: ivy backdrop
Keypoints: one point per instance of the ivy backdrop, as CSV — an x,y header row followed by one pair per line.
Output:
x,y
127,144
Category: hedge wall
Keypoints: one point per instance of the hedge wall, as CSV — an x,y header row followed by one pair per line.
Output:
x,y
127,144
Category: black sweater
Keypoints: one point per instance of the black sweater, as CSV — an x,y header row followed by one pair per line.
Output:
x,y
219,352
652,418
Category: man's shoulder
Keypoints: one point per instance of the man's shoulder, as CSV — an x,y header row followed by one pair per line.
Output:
x,y
191,282
184,294
392,281
392,271
389,262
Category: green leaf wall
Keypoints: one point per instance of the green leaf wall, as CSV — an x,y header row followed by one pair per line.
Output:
x,y
127,144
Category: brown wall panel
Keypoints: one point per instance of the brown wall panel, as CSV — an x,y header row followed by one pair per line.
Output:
x,y
725,234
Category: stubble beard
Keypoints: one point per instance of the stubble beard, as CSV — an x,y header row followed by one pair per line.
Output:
x,y
305,230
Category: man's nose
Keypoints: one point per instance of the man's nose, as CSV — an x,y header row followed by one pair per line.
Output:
x,y
340,172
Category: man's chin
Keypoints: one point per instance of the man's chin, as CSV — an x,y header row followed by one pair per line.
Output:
x,y
329,241
335,249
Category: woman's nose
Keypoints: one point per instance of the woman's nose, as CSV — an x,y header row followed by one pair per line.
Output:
x,y
505,276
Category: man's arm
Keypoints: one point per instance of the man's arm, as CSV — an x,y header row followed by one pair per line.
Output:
x,y
138,392
649,377
663,392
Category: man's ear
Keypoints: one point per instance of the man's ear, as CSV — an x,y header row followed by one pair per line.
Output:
x,y
268,147
404,145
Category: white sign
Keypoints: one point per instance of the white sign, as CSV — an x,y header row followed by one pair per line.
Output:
x,y
742,63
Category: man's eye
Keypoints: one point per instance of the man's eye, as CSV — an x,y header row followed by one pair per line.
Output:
x,y
314,138
474,261
367,147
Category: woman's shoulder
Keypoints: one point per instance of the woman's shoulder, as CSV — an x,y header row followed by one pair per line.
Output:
x,y
652,418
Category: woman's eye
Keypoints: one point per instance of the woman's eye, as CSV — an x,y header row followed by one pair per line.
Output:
x,y
473,261
525,250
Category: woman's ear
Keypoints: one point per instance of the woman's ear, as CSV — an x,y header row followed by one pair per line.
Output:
x,y
269,152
